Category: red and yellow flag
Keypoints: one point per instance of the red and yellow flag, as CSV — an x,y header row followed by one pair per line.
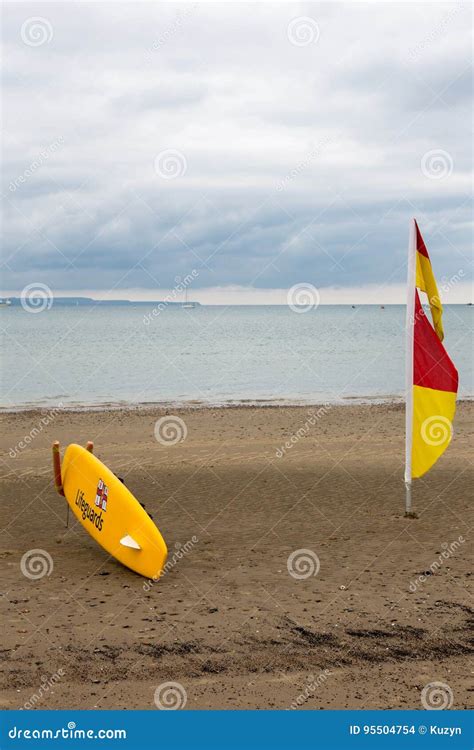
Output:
x,y
432,379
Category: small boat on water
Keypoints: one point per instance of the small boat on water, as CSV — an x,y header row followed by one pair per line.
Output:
x,y
186,304
5,302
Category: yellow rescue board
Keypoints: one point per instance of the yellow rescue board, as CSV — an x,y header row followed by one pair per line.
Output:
x,y
110,513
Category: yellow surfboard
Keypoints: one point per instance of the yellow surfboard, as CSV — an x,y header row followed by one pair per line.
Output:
x,y
110,513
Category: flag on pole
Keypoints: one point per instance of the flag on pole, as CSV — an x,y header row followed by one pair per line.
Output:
x,y
431,378
426,282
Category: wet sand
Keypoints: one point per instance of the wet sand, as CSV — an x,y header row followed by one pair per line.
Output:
x,y
373,624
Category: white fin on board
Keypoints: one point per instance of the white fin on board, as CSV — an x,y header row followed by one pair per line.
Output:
x,y
129,541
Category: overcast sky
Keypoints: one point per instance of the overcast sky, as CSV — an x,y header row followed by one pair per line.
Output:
x,y
256,145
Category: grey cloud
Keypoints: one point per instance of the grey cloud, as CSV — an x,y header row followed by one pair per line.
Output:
x,y
301,162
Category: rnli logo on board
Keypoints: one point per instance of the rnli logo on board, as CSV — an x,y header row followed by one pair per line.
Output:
x,y
101,495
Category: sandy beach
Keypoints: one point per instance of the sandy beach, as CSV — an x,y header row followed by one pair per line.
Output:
x,y
372,625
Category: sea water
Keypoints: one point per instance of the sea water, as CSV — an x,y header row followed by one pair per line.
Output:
x,y
91,356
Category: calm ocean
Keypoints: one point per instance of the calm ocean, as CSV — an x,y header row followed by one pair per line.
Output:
x,y
216,355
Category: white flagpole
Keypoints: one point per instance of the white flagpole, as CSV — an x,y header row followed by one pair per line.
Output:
x,y
410,322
